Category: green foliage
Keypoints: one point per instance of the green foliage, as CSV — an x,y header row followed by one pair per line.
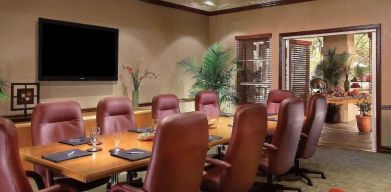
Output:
x,y
215,73
3,97
359,71
364,104
332,67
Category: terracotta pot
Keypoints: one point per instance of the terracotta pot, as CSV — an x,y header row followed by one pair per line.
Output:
x,y
364,123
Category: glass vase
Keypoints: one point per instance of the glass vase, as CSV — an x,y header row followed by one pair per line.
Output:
x,y
135,97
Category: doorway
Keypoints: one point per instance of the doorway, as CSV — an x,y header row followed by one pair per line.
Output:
x,y
302,55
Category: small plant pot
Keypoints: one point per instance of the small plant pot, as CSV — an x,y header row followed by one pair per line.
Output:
x,y
364,123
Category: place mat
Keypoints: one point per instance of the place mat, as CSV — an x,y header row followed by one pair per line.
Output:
x,y
76,141
65,155
212,138
142,130
138,154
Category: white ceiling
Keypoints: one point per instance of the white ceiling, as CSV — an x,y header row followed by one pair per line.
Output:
x,y
217,5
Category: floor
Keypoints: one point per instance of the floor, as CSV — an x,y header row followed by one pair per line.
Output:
x,y
345,135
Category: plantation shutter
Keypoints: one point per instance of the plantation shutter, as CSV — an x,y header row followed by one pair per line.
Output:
x,y
299,67
254,68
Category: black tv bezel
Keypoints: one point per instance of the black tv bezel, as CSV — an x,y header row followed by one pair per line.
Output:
x,y
42,21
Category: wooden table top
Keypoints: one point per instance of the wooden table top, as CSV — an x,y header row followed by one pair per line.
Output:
x,y
341,100
101,164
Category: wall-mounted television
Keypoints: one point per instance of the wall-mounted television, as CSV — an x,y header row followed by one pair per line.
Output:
x,y
76,52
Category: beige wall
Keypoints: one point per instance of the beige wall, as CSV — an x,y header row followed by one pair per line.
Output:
x,y
161,35
319,14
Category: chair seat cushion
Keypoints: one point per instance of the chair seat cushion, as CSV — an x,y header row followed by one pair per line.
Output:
x,y
211,181
73,185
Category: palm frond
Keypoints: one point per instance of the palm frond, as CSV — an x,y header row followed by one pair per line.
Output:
x,y
215,73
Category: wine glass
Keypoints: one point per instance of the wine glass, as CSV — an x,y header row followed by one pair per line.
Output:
x,y
117,138
94,136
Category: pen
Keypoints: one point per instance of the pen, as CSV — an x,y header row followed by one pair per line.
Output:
x,y
71,153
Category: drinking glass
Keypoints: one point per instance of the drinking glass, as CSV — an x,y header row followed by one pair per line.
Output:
x,y
94,136
117,138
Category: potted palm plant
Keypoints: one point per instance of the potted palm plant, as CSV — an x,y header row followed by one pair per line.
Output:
x,y
215,73
332,68
364,119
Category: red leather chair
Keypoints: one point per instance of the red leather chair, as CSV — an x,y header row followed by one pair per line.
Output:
x,y
13,177
53,122
310,135
275,98
238,170
178,155
280,154
115,114
207,102
164,105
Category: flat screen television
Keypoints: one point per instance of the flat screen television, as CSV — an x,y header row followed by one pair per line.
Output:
x,y
76,52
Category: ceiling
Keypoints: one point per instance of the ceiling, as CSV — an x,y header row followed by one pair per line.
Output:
x,y
220,5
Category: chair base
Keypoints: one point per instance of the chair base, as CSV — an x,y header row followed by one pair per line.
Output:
x,y
271,186
302,172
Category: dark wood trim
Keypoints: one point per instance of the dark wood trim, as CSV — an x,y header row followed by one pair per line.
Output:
x,y
379,147
176,6
224,11
332,30
256,6
379,107
22,118
252,37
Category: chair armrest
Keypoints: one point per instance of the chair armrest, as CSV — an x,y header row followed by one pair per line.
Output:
x,y
217,162
54,188
270,147
123,187
304,136
37,179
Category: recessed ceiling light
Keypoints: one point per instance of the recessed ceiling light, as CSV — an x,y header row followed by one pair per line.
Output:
x,y
209,2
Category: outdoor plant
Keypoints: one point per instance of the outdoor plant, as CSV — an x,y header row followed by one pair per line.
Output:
x,y
364,105
332,68
215,73
3,97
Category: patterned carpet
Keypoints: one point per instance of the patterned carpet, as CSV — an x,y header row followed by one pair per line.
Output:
x,y
351,170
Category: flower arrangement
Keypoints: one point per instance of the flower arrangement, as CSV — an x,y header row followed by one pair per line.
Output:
x,y
137,76
364,105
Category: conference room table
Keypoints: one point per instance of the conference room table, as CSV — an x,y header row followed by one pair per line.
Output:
x,y
101,164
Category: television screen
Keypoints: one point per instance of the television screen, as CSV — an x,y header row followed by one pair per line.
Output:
x,y
71,51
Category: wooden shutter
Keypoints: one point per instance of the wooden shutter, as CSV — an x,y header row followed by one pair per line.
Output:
x,y
254,63
299,67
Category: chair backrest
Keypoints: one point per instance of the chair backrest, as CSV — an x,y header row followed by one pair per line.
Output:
x,y
13,177
53,122
275,98
207,102
287,135
164,105
115,114
178,154
316,115
245,147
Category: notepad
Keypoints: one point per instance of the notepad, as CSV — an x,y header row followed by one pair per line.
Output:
x,y
212,138
76,141
132,154
65,155
142,130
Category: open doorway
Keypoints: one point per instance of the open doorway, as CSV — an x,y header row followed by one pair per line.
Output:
x,y
342,65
